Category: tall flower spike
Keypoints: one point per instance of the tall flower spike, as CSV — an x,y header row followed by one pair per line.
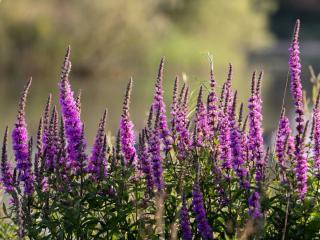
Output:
x,y
6,174
52,144
224,141
144,161
174,107
255,143
182,125
212,102
254,205
126,129
46,120
200,213
155,152
283,134
186,232
201,124
96,159
39,153
238,149
297,94
20,144
316,137
71,115
78,101
158,103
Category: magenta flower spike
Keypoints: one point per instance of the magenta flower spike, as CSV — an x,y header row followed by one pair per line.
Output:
x,y
297,95
200,213
158,104
316,137
185,221
21,145
212,103
238,150
255,144
95,160
254,205
126,129
174,108
155,152
46,121
182,125
52,142
6,174
201,123
282,138
71,116
144,159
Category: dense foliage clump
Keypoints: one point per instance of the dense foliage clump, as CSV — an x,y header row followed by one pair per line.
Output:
x,y
200,174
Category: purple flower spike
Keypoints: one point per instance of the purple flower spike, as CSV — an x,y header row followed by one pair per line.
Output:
x,y
212,102
158,104
95,161
201,124
255,143
297,94
238,149
224,142
200,212
126,129
174,108
6,174
316,137
52,142
144,161
254,205
46,121
282,137
182,124
185,221
155,152
71,115
20,144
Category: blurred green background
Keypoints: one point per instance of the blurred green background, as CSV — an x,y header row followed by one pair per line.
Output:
x,y
114,39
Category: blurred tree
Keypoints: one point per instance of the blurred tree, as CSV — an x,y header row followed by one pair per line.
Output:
x,y
112,40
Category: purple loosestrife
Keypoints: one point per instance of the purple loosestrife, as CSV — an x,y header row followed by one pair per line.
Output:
x,y
71,116
126,129
52,143
224,139
174,108
282,137
6,174
186,232
212,102
39,152
255,143
96,162
155,152
254,205
46,121
62,160
316,137
229,92
238,151
182,125
200,212
201,124
297,94
145,162
20,144
158,104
